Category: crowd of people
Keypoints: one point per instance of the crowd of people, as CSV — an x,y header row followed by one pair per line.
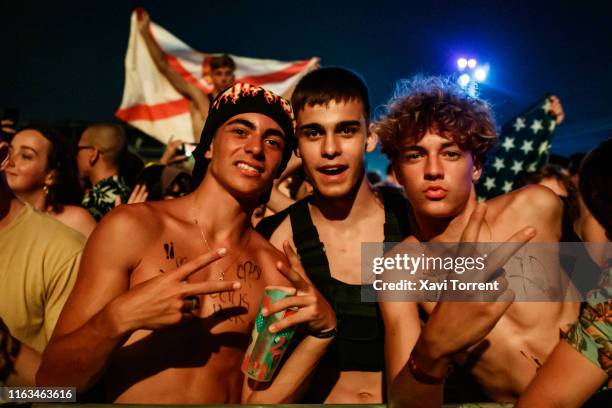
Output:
x,y
146,291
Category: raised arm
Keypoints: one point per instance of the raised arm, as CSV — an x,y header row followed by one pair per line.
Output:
x,y
102,310
179,83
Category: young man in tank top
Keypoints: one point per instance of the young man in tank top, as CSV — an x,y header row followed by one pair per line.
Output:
x,y
333,116
168,291
437,137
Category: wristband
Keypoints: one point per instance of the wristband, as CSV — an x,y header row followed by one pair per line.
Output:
x,y
325,334
423,376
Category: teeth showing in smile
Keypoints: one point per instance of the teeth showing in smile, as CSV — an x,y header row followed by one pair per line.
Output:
x,y
245,166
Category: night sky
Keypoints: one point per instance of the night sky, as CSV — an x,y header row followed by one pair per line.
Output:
x,y
65,61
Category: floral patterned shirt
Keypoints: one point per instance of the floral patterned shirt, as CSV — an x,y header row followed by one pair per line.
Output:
x,y
101,198
591,335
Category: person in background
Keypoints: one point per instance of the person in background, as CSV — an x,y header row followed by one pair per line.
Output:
x,y
100,150
42,173
582,362
586,226
39,259
222,69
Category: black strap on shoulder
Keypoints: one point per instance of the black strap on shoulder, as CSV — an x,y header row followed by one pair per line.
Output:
x,y
268,225
306,239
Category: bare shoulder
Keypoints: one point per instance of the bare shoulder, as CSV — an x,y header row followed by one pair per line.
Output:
x,y
529,200
78,213
77,218
129,227
533,205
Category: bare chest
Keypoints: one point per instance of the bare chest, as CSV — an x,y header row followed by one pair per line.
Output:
x,y
343,248
233,310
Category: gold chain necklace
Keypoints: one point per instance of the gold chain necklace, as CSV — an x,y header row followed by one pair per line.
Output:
x,y
209,248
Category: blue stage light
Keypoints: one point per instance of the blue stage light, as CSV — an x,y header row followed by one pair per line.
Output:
x,y
471,63
464,80
480,74
462,63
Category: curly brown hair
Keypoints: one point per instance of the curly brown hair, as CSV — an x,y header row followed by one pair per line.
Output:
x,y
439,105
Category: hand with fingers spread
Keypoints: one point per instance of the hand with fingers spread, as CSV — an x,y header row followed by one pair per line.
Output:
x,y
556,109
139,195
313,309
453,327
170,154
167,299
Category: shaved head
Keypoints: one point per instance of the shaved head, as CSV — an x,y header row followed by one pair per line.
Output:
x,y
107,138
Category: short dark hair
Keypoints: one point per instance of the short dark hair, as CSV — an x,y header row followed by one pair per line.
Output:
x,y
424,104
324,85
595,184
222,61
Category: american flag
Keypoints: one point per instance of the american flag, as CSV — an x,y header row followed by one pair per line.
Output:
x,y
151,104
524,147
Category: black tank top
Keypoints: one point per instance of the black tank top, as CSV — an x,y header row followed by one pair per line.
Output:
x,y
359,345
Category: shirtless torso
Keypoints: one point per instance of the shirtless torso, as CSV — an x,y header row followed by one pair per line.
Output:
x,y
507,359
197,361
202,357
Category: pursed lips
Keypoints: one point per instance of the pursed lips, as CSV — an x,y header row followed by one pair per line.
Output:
x,y
435,192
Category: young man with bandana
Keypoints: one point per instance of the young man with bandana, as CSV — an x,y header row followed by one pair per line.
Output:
x,y
437,137
333,116
168,291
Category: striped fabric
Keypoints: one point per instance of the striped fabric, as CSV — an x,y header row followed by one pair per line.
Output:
x,y
151,104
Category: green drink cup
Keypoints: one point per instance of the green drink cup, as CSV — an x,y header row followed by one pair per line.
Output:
x,y
266,349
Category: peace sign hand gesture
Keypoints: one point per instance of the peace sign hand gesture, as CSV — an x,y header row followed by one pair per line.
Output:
x,y
455,326
167,299
314,310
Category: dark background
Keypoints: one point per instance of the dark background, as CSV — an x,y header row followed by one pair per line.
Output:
x,y
64,61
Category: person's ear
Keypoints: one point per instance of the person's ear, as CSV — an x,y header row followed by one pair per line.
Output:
x,y
51,178
476,172
94,156
4,155
208,154
371,139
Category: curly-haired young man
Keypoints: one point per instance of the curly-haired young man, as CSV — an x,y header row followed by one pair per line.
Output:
x,y
437,137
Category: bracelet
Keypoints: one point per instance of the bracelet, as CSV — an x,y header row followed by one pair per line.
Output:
x,y
325,334
423,376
